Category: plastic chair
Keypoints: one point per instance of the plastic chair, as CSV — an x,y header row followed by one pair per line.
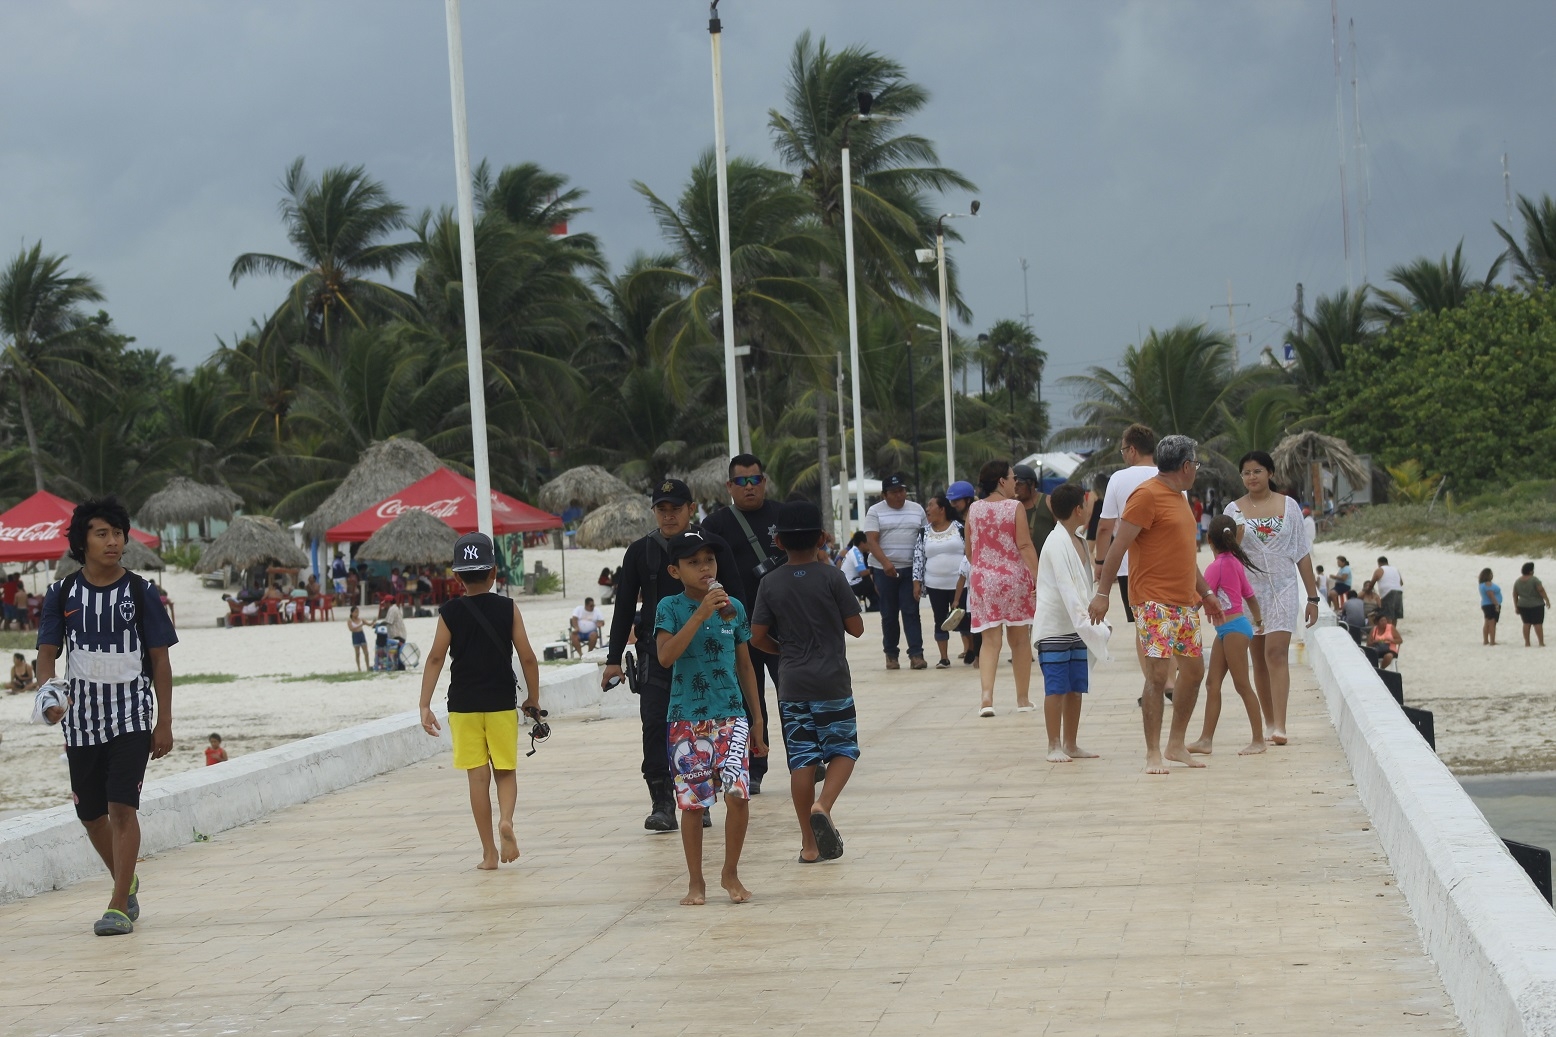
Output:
x,y
235,616
323,606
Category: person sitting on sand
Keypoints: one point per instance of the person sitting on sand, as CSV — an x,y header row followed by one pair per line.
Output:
x,y
483,630
214,753
21,675
1227,576
1490,608
1383,640
1530,599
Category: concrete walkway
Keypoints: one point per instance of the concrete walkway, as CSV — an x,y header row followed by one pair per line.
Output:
x,y
984,891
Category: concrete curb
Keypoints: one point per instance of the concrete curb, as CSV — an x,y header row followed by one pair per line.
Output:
x,y
48,849
1489,931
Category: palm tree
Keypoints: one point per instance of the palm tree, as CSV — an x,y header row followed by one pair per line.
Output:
x,y
1428,287
337,224
1177,381
1257,424
1534,264
1012,361
1338,320
895,174
46,339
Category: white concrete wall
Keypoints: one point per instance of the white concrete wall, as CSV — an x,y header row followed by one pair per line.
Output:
x,y
48,849
1485,925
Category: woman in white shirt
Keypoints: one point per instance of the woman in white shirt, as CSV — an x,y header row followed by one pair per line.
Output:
x,y
940,568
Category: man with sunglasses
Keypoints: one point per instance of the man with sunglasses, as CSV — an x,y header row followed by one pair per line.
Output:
x,y
747,527
645,572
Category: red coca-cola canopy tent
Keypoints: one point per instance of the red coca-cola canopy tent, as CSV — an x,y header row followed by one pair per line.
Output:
x,y
451,497
35,530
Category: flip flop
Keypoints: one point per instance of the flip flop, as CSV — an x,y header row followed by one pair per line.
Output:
x,y
134,905
818,860
827,840
113,923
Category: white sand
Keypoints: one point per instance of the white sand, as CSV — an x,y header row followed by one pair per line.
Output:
x,y
1494,708
279,695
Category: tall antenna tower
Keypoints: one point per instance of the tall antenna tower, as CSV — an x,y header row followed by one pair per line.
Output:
x,y
1507,192
1026,296
1339,119
1365,172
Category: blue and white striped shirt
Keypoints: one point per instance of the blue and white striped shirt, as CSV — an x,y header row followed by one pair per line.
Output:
x,y
110,683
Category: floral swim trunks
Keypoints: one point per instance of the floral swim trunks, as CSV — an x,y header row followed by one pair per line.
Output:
x,y
708,757
1167,630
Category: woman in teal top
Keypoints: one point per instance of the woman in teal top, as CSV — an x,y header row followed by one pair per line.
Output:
x,y
1490,608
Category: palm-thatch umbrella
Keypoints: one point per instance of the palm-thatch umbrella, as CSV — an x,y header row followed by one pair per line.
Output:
x,y
413,537
252,540
616,524
1301,457
183,501
707,480
587,486
136,556
383,468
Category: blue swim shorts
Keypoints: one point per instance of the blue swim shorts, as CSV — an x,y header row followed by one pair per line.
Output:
x,y
1063,662
815,732
1238,624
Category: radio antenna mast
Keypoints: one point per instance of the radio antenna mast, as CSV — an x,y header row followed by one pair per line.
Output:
x,y
1026,295
1339,119
1364,173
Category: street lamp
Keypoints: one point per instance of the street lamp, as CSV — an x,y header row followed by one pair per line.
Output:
x,y
726,277
945,337
866,101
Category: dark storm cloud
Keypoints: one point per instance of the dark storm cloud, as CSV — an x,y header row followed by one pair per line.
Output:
x,y
1138,155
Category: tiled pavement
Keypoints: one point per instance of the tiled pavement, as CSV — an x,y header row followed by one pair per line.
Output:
x,y
984,891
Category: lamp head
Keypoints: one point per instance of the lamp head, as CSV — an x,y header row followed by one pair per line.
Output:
x,y
866,100
975,207
925,255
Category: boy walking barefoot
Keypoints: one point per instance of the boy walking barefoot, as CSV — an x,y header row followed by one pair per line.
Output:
x,y
1065,637
802,610
483,630
701,635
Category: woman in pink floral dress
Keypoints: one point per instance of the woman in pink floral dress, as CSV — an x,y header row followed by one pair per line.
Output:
x,y
1003,590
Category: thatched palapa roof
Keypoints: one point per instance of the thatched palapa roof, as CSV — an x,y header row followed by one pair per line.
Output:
x,y
413,537
1294,455
384,468
707,480
183,501
249,541
587,486
136,556
616,524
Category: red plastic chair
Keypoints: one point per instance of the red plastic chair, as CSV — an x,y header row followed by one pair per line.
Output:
x,y
323,607
235,616
269,611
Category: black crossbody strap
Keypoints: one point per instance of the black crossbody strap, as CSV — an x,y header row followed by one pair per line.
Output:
x,y
745,527
486,627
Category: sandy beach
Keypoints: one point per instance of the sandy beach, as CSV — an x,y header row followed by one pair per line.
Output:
x,y
275,684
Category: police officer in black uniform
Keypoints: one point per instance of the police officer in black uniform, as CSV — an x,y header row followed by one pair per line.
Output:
x,y
644,571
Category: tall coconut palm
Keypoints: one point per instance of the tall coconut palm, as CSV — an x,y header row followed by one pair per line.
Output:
x,y
1258,423
337,224
1338,320
1428,287
1176,381
1534,262
895,174
46,339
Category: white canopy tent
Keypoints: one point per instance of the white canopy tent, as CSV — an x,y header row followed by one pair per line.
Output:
x,y
1054,463
842,499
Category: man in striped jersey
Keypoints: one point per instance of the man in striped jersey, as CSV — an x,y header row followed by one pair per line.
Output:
x,y
115,635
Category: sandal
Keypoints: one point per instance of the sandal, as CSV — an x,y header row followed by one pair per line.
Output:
x,y
133,909
986,711
113,923
827,840
818,860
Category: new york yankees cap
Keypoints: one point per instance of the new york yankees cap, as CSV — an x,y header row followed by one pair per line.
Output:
x,y
474,552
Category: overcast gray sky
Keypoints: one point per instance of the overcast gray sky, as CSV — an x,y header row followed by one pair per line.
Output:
x,y
1138,155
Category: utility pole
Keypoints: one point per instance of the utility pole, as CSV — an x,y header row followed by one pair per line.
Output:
x,y
842,460
1339,120
1026,315
1301,314
1231,317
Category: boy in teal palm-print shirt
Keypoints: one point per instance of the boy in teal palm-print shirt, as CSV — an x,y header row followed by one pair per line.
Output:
x,y
712,700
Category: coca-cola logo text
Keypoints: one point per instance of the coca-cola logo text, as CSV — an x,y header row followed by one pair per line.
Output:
x,y
437,509
38,531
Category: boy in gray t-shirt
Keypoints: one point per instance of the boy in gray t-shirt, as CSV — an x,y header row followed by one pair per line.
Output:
x,y
802,610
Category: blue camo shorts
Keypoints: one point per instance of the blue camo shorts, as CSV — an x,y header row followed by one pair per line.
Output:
x,y
818,731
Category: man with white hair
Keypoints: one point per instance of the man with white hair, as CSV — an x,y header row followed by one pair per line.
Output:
x,y
1166,589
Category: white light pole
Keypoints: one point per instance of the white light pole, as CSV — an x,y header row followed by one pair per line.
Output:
x,y
468,283
731,388
945,341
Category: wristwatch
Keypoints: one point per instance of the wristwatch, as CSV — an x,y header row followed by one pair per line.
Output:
x,y
1312,601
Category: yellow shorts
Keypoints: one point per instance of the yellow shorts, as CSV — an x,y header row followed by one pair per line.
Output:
x,y
479,737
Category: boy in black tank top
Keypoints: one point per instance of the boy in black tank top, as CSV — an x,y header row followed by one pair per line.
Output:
x,y
483,630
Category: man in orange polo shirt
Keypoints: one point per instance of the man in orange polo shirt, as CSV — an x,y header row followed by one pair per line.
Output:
x,y
1166,588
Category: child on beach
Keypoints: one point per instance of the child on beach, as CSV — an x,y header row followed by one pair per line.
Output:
x,y
1490,608
802,610
359,640
214,753
1227,577
701,637
1064,635
483,630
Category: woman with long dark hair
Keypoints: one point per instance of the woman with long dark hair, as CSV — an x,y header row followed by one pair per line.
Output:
x,y
1270,531
940,568
1003,587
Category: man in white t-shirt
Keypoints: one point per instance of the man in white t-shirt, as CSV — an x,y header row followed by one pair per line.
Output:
x,y
585,626
891,528
1138,447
